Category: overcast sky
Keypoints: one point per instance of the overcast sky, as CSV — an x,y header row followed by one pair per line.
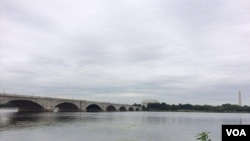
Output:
x,y
126,51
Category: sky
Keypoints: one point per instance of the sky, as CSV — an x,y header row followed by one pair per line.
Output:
x,y
127,51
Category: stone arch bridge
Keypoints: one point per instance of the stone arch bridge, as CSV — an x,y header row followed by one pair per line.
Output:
x,y
27,103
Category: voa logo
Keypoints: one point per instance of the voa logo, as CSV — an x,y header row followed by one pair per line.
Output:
x,y
236,132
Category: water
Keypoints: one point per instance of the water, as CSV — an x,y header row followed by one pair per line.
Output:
x,y
117,126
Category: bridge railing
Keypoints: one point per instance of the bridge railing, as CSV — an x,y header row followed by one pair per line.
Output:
x,y
34,96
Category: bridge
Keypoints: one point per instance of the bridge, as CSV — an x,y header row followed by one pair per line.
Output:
x,y
27,103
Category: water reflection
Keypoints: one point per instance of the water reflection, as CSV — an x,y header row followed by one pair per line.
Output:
x,y
15,120
117,126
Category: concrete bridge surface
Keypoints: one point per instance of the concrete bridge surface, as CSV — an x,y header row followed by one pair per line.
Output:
x,y
27,103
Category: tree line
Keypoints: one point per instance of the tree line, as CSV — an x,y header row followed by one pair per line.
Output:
x,y
195,108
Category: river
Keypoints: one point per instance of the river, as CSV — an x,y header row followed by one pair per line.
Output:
x,y
114,126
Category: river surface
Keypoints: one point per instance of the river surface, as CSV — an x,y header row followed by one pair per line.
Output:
x,y
114,126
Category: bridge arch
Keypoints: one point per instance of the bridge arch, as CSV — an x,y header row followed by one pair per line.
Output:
x,y
93,108
131,109
111,108
67,107
27,105
137,109
122,109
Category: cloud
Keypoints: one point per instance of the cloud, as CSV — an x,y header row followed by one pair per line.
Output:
x,y
172,51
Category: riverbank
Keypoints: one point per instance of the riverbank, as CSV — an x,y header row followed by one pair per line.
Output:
x,y
224,108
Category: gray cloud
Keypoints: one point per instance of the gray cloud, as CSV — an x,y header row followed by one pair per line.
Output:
x,y
127,51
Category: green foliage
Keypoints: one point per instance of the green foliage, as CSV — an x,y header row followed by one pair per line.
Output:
x,y
203,136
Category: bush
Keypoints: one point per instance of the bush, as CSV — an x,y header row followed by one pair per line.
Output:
x,y
203,136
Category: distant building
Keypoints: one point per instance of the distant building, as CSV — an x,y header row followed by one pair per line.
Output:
x,y
239,98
